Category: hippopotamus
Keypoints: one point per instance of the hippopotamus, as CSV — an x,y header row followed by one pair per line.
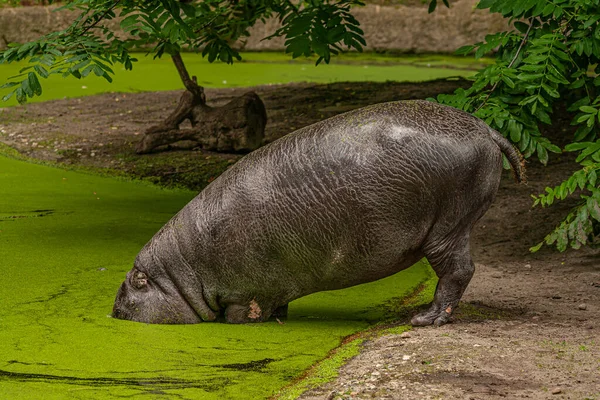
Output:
x,y
348,200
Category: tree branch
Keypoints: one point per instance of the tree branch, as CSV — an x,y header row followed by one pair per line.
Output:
x,y
93,25
509,66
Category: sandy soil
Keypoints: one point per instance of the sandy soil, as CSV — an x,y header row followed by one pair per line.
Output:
x,y
529,324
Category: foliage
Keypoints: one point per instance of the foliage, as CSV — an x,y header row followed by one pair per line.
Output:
x,y
552,55
90,46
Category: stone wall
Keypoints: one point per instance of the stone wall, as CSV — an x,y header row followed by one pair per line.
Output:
x,y
397,28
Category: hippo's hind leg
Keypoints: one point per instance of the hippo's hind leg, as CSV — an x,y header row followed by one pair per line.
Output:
x,y
454,267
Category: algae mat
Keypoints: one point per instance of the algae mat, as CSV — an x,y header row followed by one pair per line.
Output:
x,y
66,242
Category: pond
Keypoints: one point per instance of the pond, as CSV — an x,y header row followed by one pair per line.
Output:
x,y
256,69
67,238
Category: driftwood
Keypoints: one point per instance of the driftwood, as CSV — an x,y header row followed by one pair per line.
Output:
x,y
238,126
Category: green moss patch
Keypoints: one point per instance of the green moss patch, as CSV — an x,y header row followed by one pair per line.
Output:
x,y
66,241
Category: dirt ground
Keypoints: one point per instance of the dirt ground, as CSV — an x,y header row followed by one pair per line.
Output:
x,y
529,324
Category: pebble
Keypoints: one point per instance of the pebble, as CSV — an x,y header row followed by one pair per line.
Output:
x,y
556,390
405,335
497,275
582,306
527,266
405,358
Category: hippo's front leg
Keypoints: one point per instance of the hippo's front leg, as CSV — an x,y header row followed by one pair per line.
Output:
x,y
256,310
454,268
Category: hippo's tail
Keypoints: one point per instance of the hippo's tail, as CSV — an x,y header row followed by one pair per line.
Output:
x,y
514,156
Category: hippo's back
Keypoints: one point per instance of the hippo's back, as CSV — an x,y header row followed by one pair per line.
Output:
x,y
347,200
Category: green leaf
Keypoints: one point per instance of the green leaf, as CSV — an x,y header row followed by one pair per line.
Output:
x,y
529,77
553,148
543,116
8,96
584,117
542,154
582,132
128,22
87,70
41,71
521,26
21,96
509,82
592,177
432,6
525,139
578,146
34,84
588,109
558,11
464,50
9,85
536,248
550,90
515,131
591,21
593,208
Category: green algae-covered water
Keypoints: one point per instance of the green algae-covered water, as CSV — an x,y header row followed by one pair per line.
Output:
x,y
66,241
263,68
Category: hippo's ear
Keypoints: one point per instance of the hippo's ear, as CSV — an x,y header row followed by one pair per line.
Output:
x,y
139,280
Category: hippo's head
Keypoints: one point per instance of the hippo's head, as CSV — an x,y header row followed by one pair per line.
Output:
x,y
152,299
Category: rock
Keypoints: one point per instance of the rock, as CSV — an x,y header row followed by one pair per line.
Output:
x,y
582,306
497,275
556,390
527,266
446,30
405,335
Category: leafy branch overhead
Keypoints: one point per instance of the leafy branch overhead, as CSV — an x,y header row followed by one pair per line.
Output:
x,y
90,46
552,55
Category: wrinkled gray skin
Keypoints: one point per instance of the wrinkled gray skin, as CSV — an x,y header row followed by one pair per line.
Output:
x,y
345,201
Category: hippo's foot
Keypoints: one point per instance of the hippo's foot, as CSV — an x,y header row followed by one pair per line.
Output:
x,y
433,316
454,269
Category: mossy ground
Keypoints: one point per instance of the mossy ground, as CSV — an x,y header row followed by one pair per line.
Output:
x,y
66,241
